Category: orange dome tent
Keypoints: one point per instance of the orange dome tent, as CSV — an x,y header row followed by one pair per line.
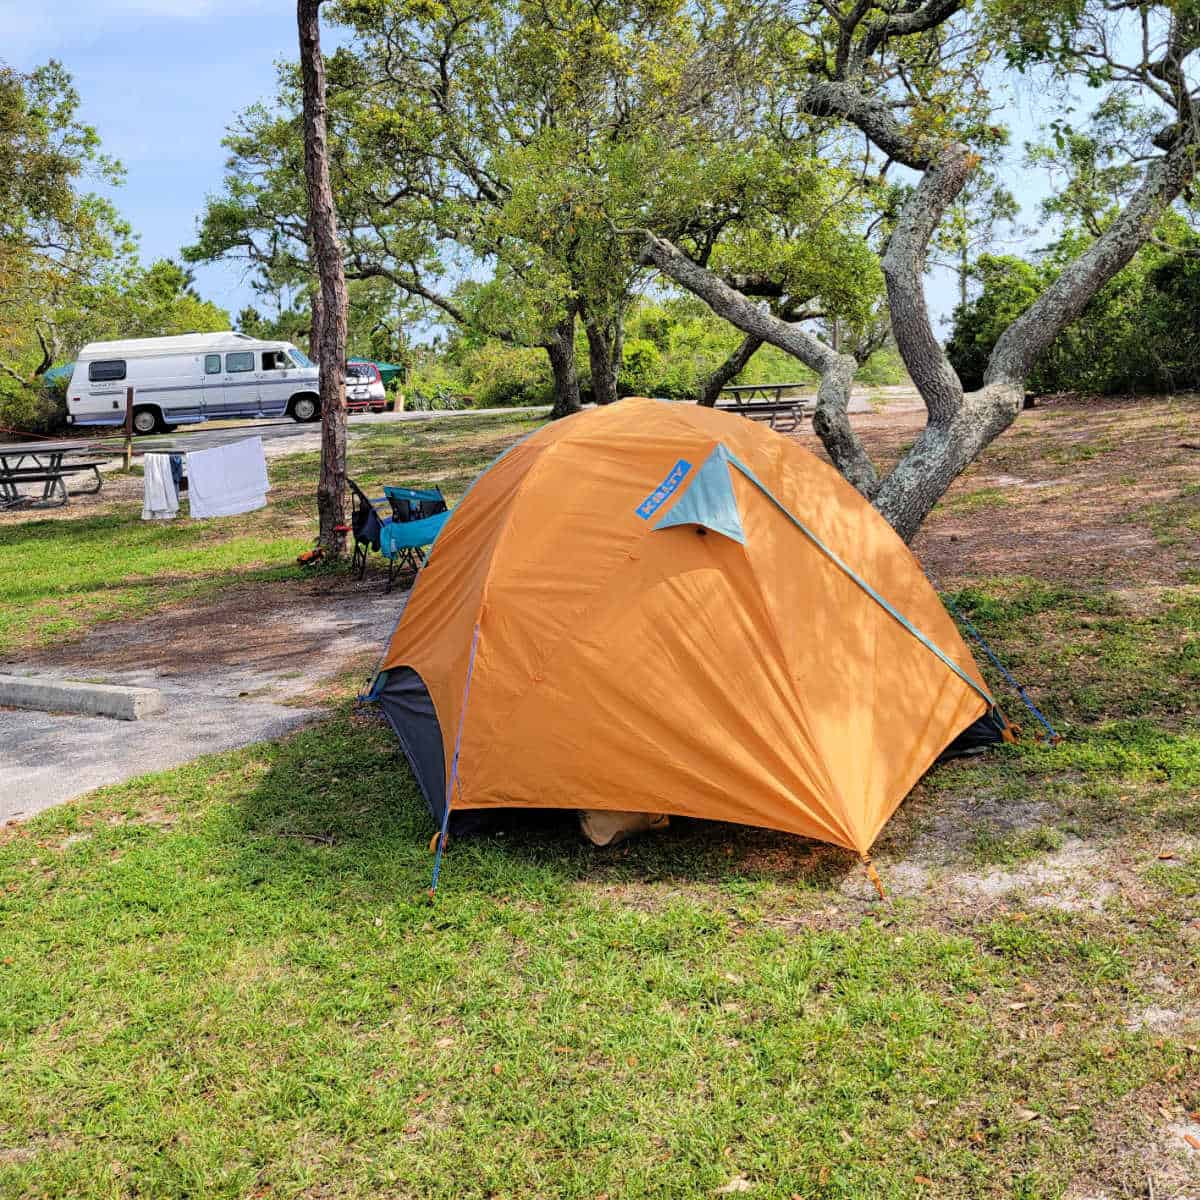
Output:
x,y
661,608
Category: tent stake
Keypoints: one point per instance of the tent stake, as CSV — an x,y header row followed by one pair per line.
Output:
x,y
873,875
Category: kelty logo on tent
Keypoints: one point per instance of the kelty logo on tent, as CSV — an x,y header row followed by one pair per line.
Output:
x,y
664,491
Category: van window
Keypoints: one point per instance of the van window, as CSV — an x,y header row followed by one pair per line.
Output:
x,y
275,360
106,370
243,360
212,364
300,358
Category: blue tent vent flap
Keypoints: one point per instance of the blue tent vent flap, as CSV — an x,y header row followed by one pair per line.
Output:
x,y
709,500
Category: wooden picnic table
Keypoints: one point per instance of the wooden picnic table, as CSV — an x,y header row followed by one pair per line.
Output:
x,y
765,402
43,463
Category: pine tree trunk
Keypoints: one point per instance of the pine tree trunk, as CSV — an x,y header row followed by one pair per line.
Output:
x,y
329,313
561,349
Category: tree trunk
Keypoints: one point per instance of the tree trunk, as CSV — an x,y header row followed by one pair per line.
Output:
x,y
329,315
314,334
561,349
710,389
941,452
601,357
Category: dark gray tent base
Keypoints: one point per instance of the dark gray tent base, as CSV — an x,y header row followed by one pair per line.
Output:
x,y
982,733
405,701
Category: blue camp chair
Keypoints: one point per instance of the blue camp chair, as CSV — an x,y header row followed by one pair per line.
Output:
x,y
417,518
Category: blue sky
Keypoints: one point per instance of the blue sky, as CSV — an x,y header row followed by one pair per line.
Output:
x,y
162,79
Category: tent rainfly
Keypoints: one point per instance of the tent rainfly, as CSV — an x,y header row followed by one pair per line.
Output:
x,y
661,608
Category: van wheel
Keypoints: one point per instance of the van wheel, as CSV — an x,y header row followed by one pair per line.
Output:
x,y
147,420
305,408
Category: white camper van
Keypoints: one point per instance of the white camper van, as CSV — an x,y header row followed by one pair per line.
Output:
x,y
194,377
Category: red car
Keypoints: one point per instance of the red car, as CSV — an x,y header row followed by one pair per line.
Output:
x,y
364,388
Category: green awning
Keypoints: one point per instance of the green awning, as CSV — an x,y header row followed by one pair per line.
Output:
x,y
387,371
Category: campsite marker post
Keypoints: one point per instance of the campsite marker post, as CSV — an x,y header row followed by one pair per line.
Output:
x,y
128,430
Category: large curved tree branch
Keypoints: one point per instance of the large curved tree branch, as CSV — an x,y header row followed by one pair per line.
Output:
x,y
836,98
959,430
903,266
831,419
412,285
49,345
1032,333
911,19
712,386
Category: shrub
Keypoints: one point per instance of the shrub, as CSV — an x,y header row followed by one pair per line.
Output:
x,y
41,411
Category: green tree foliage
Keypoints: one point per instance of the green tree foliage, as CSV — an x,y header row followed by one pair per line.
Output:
x,y
1138,334
487,155
69,273
376,328
158,301
669,348
62,248
1009,286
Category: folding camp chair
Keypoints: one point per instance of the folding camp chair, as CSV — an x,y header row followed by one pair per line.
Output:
x,y
366,524
417,518
415,504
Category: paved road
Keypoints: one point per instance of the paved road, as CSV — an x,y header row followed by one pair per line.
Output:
x,y
48,758
202,437
292,435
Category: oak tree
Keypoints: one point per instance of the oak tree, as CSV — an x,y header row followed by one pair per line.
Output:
x,y
911,79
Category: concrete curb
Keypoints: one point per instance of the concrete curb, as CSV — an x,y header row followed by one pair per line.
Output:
x,y
83,699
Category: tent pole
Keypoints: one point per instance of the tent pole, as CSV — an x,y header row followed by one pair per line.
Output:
x,y
462,716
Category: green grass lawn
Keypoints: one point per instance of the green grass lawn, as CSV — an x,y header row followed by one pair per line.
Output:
x,y
62,576
227,980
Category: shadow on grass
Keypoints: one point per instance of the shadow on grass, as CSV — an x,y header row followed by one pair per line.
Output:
x,y
338,810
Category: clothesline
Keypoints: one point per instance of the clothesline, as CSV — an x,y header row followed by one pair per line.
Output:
x,y
221,481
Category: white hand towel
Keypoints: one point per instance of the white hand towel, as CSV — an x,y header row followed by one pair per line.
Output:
x,y
160,500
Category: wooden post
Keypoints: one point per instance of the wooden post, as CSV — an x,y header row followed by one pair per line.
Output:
x,y
128,430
